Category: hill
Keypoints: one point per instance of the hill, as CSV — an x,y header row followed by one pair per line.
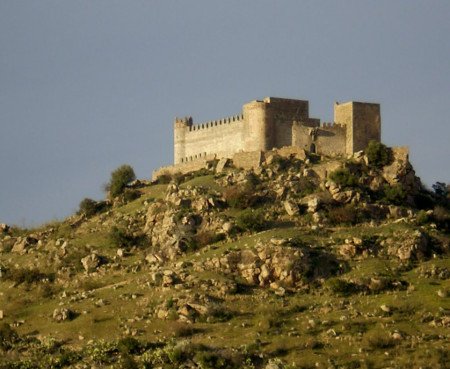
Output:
x,y
302,262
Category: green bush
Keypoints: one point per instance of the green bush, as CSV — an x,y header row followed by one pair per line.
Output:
x,y
205,238
28,276
88,207
238,196
441,216
130,195
129,345
8,337
395,195
120,238
378,340
341,287
251,220
343,178
422,217
119,180
211,360
347,214
378,154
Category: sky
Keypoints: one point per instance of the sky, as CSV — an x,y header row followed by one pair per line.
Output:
x,y
86,86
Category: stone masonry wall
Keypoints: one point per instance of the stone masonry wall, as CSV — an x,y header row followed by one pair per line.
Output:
x,y
330,139
221,138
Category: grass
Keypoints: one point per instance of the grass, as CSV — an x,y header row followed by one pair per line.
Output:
x,y
303,328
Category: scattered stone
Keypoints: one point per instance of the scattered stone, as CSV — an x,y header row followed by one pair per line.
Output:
x,y
291,207
442,293
61,315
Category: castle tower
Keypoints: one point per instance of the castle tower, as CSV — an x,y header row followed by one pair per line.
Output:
x,y
257,129
181,125
363,123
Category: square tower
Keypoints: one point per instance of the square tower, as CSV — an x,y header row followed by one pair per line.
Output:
x,y
362,121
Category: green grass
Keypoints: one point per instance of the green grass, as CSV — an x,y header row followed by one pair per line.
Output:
x,y
204,181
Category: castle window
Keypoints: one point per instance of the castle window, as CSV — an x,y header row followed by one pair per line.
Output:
x,y
312,148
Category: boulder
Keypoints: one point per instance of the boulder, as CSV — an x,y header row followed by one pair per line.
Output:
x,y
23,244
313,204
414,248
91,262
222,164
291,207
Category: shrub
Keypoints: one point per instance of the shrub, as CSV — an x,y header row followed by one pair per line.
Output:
x,y
394,194
342,177
166,178
129,345
422,217
120,238
441,216
238,196
346,214
88,207
211,360
8,337
130,195
378,154
28,276
341,287
251,220
119,180
205,238
378,340
184,330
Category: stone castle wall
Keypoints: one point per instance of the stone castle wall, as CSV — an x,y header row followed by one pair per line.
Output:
x,y
262,125
273,123
220,137
363,121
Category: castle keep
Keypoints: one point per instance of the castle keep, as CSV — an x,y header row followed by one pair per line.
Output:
x,y
273,123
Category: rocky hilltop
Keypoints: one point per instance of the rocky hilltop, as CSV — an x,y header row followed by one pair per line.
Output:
x,y
300,262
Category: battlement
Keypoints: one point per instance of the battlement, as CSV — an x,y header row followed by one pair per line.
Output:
x,y
275,122
216,123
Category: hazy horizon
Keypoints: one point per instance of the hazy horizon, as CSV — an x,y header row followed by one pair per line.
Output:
x,y
87,86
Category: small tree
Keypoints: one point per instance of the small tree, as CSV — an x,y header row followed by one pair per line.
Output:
x,y
378,154
88,207
344,178
119,180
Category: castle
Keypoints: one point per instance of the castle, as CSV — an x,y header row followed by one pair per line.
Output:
x,y
273,123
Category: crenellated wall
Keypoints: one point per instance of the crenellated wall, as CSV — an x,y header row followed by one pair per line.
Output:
x,y
262,125
330,139
274,123
220,137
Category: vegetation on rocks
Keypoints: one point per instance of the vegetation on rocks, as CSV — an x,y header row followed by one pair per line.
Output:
x,y
314,263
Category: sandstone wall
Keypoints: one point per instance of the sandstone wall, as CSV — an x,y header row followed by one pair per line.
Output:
x,y
221,138
248,160
366,124
363,122
331,139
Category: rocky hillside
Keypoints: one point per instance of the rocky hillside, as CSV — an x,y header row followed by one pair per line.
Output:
x,y
302,262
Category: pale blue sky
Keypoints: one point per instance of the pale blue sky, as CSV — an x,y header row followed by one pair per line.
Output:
x,y
88,85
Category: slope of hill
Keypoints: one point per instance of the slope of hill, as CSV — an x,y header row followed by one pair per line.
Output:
x,y
301,263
